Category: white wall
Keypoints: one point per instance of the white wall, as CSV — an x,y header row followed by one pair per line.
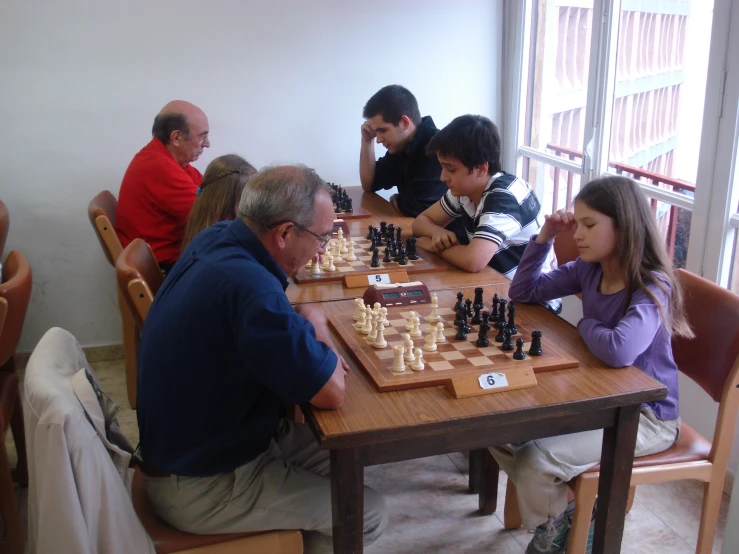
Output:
x,y
81,80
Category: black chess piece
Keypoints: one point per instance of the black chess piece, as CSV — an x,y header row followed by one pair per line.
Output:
x,y
518,354
507,344
375,258
463,319
486,320
371,233
478,299
401,257
476,320
501,310
373,243
499,325
399,234
411,247
461,331
348,208
383,228
390,230
459,303
512,318
482,337
496,301
468,307
535,349
387,258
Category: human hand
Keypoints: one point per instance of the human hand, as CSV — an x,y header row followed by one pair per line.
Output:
x,y
368,133
442,240
554,224
344,365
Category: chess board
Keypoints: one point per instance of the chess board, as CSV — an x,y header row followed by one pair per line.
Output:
x,y
362,265
452,358
357,213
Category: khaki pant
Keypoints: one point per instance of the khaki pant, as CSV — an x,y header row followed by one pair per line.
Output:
x,y
541,468
286,487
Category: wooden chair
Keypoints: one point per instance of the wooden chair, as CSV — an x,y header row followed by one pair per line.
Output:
x,y
15,294
139,278
102,211
713,313
4,226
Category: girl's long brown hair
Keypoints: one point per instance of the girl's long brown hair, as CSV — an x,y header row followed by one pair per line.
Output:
x,y
640,247
219,194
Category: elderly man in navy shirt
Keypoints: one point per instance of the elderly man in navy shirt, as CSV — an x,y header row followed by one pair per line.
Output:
x,y
221,355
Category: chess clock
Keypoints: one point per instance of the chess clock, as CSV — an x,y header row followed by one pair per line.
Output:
x,y
398,294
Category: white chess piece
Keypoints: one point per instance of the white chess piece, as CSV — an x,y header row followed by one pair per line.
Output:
x,y
376,306
383,316
315,267
440,333
331,267
351,257
418,365
433,317
408,344
367,321
380,341
370,338
337,252
340,234
342,246
416,330
409,322
360,322
398,362
324,260
358,308
430,345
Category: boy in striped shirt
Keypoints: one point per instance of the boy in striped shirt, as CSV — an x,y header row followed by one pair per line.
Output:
x,y
499,211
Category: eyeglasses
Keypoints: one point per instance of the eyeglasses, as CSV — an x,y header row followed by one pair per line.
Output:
x,y
323,239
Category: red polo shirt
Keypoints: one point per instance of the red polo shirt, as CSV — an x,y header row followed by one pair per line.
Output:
x,y
155,200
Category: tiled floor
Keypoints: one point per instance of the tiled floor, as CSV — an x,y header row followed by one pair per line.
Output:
x,y
432,509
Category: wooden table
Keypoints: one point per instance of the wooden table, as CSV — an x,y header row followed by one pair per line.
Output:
x,y
374,428
382,210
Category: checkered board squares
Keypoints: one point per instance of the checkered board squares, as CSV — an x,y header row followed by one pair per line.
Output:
x,y
451,358
362,265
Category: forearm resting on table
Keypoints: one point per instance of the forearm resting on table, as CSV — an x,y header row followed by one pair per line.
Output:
x,y
472,257
423,226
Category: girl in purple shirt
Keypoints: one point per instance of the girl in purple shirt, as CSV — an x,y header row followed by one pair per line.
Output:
x,y
632,306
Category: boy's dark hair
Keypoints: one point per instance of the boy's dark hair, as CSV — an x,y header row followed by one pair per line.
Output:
x,y
472,139
393,102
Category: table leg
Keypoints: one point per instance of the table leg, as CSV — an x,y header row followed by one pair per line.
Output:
x,y
488,484
617,459
476,461
347,500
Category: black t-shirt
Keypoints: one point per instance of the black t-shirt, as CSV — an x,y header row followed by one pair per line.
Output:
x,y
414,173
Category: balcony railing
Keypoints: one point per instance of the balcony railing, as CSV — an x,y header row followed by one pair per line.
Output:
x,y
635,173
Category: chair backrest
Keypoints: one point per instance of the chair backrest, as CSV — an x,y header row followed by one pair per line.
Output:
x,y
15,294
711,359
101,211
139,278
4,226
565,248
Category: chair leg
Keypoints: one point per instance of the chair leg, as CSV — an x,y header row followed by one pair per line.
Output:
x,y
19,438
13,541
632,495
585,493
130,348
511,514
712,492
488,484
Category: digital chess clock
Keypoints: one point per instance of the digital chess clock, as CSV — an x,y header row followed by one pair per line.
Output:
x,y
397,294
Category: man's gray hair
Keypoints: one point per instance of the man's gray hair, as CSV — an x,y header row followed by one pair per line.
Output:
x,y
279,194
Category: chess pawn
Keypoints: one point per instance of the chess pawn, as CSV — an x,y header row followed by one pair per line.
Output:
x,y
408,344
380,341
383,317
519,354
398,362
340,234
430,345
367,322
331,267
351,256
324,260
507,344
315,267
433,317
440,333
418,364
342,246
416,330
337,252
376,306
409,322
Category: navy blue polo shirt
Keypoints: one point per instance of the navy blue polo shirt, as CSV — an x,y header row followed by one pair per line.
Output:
x,y
221,353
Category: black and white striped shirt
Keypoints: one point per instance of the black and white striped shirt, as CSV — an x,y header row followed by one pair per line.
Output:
x,y
508,214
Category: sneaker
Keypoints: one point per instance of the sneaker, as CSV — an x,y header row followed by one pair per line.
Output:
x,y
570,514
551,537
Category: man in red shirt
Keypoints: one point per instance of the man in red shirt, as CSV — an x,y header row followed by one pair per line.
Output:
x,y
160,186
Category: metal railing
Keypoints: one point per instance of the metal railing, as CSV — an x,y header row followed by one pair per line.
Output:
x,y
635,173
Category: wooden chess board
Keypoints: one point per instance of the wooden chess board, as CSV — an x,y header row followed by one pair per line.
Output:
x,y
357,213
452,359
362,265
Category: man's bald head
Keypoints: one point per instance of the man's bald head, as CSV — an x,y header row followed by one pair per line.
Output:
x,y
183,129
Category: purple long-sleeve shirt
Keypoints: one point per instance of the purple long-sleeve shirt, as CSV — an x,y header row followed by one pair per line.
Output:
x,y
636,337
